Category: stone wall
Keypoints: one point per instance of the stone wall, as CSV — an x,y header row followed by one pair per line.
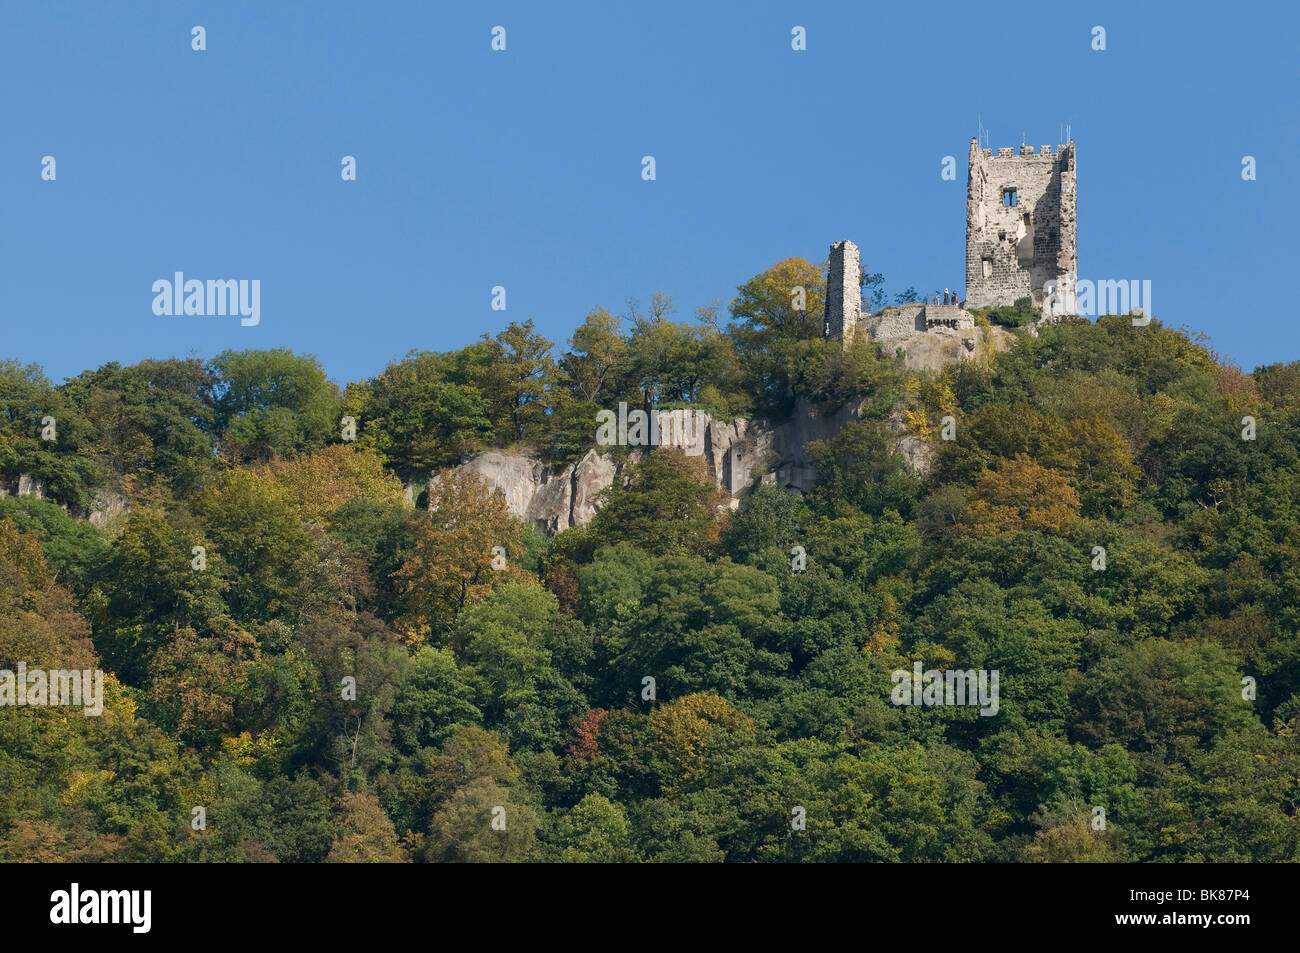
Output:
x,y
949,316
1013,251
896,322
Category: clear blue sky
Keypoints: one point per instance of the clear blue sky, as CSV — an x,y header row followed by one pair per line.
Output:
x,y
523,168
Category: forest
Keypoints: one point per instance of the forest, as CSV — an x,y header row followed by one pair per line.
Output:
x,y
330,645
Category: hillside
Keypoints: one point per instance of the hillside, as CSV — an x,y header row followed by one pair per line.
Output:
x,y
724,655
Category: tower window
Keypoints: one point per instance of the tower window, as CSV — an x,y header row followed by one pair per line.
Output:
x,y
1008,198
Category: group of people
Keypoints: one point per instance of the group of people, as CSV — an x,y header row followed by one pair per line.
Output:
x,y
949,297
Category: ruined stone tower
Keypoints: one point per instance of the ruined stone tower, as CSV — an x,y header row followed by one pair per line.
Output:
x,y
843,292
1020,227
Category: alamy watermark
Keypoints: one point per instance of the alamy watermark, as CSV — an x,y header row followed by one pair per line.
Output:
x,y
670,428
1091,298
222,297
56,686
951,687
75,906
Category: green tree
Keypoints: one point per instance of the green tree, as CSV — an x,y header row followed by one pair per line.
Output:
x,y
272,402
253,527
596,831
366,835
666,502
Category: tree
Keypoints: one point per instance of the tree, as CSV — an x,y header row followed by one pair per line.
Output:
x,y
320,483
768,517
1162,701
596,831
699,626
666,502
270,402
451,564
196,680
30,408
773,334
254,529
504,640
1016,315
73,549
151,421
366,835
1021,495
147,589
670,362
516,380
861,466
1279,385
432,700
688,729
480,823
422,413
1072,841
596,357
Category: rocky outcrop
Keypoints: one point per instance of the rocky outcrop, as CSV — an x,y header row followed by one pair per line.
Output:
x,y
24,485
30,486
740,454
549,498
107,506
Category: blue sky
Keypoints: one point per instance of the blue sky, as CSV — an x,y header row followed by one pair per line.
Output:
x,y
523,168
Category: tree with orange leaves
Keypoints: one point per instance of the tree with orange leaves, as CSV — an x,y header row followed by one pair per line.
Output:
x,y
468,545
1021,495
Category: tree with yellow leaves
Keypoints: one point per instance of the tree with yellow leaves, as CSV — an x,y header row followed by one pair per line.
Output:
x,y
687,729
469,544
321,482
1021,495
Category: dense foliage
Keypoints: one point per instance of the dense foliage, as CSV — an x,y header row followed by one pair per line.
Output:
x,y
501,676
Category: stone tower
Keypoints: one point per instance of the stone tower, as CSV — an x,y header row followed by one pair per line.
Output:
x,y
843,292
1020,228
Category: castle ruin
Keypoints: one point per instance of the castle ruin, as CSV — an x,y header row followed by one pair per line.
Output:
x,y
844,315
1020,227
1020,243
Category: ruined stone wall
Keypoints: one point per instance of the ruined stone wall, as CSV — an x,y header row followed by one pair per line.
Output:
x,y
918,318
949,316
1013,251
897,322
843,292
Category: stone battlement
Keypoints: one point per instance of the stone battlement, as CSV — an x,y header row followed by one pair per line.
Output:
x,y
1006,153
947,316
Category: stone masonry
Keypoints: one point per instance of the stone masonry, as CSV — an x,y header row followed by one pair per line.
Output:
x,y
843,292
909,319
844,314
1020,227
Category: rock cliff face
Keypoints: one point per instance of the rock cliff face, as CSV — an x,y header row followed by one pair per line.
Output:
x,y
106,505
25,485
740,454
